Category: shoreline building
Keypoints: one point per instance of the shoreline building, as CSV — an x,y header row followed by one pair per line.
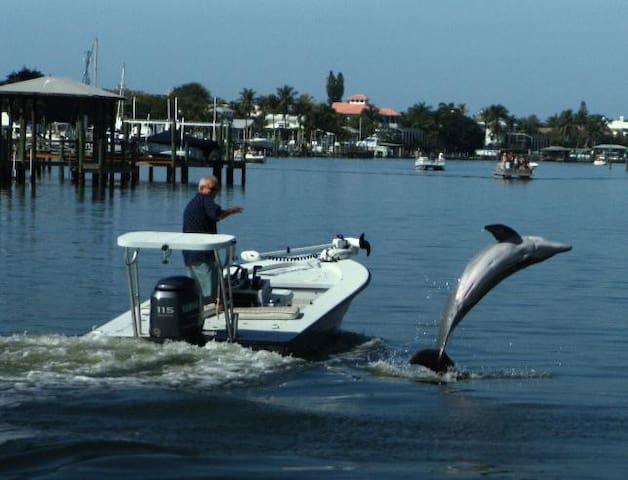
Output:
x,y
357,103
619,126
387,119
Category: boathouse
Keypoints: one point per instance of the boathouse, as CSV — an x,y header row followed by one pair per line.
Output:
x,y
41,101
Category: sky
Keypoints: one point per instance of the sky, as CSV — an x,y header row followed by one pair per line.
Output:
x,y
535,57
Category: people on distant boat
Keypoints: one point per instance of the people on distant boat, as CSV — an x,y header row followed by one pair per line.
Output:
x,y
201,215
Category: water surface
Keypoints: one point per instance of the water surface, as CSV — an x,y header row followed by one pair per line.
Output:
x,y
540,393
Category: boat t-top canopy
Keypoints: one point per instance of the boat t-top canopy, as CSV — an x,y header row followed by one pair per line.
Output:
x,y
175,240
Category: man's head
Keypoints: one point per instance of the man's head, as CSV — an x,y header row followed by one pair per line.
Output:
x,y
208,185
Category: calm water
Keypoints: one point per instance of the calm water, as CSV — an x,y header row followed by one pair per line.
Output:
x,y
542,394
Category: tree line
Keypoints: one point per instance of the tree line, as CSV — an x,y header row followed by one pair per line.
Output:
x,y
446,127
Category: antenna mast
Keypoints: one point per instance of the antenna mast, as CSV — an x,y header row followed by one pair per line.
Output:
x,y
91,64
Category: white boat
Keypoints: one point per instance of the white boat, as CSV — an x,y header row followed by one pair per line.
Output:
x,y
250,156
424,162
290,301
514,164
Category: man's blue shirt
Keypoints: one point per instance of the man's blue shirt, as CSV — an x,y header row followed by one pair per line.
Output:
x,y
200,216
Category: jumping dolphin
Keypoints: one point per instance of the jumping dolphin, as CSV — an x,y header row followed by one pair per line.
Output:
x,y
511,253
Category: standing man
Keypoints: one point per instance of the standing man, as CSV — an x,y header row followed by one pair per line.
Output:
x,y
201,215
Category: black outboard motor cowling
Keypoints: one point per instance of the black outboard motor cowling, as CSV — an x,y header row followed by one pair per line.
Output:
x,y
176,308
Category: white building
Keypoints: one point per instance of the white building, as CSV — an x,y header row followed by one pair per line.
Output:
x,y
619,126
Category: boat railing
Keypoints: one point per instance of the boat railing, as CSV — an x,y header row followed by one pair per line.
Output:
x,y
225,292
133,280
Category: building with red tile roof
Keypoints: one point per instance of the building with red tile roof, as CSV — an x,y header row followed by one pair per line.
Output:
x,y
357,103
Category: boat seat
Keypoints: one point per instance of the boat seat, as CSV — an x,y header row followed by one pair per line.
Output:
x,y
267,313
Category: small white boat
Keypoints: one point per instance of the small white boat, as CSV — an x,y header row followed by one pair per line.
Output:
x,y
514,165
250,156
424,162
255,156
600,160
288,301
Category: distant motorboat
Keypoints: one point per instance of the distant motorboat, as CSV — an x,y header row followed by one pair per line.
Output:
x,y
250,156
514,164
425,162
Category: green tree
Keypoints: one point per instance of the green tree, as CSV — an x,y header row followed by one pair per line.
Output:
x,y
146,105
22,75
285,97
368,121
303,107
420,116
193,102
335,87
269,104
325,119
456,131
595,130
564,129
245,105
583,114
529,125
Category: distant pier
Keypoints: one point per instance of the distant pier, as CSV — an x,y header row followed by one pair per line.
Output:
x,y
120,169
101,155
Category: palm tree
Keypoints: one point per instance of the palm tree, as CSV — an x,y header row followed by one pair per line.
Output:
x,y
564,128
286,96
419,116
595,130
529,125
269,104
494,117
303,107
246,103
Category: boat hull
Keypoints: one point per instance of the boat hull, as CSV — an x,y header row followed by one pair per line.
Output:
x,y
308,302
513,173
320,339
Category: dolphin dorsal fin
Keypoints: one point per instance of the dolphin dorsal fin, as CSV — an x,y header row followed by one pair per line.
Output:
x,y
503,233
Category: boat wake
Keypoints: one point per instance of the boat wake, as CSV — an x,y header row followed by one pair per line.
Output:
x,y
35,362
38,361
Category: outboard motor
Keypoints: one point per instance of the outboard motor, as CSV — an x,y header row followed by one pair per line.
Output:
x,y
176,308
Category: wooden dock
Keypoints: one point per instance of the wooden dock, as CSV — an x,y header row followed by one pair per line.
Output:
x,y
125,167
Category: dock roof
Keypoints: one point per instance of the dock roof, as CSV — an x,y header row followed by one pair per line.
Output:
x,y
55,86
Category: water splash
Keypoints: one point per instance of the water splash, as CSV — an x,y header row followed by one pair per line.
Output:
x,y
395,366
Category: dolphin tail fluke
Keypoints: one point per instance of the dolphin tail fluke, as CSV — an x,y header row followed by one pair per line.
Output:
x,y
436,360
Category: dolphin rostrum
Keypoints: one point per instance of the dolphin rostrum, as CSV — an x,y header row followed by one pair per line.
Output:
x,y
511,253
